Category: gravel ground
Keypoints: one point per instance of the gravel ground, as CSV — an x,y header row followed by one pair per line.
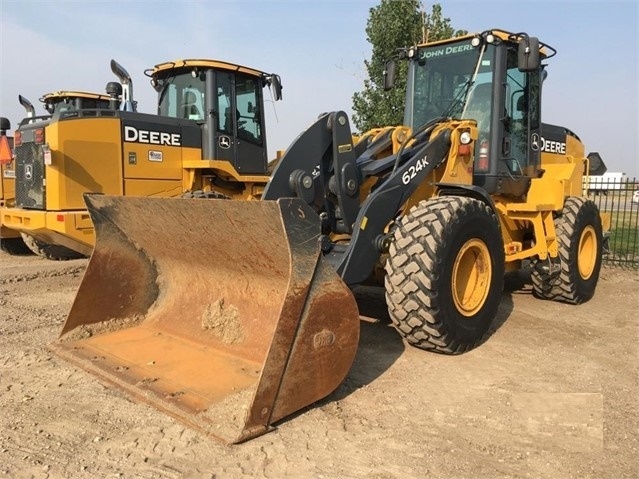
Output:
x,y
552,393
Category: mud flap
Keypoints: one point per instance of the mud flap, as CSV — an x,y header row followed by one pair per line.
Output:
x,y
221,313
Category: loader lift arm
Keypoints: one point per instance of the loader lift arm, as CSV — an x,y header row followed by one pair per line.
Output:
x,y
336,188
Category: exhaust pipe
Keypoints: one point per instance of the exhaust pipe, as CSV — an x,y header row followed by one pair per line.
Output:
x,y
127,86
27,106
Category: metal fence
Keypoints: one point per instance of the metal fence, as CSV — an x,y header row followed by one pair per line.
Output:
x,y
618,200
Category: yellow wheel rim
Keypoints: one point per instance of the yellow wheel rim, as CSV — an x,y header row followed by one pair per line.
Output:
x,y
471,279
587,253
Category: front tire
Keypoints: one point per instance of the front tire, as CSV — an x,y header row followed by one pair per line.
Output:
x,y
580,236
445,274
206,195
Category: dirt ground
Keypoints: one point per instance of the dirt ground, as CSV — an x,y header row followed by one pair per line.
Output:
x,y
553,393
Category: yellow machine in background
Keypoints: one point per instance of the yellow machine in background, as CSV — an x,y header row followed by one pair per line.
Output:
x,y
209,134
232,315
13,241
10,240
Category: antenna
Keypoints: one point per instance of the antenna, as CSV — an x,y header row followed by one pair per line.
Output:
x,y
272,101
425,32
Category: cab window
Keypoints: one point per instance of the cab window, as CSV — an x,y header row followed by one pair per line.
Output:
x,y
238,107
182,96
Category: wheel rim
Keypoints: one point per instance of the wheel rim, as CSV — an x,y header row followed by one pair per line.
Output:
x,y
587,258
472,273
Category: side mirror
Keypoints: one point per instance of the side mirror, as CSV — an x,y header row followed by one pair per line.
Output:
x,y
389,75
276,86
528,59
596,164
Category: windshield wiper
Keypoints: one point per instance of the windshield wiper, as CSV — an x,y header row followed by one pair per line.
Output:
x,y
458,99
165,88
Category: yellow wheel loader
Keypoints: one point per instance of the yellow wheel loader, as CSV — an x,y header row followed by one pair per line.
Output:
x,y
10,240
208,139
17,241
232,315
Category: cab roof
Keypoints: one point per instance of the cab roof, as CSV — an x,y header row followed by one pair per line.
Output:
x,y
203,63
73,94
497,32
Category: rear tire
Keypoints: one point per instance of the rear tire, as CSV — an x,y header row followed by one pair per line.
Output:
x,y
445,274
580,236
14,246
50,251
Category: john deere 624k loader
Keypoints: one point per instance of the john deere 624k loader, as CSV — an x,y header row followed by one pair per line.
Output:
x,y
231,315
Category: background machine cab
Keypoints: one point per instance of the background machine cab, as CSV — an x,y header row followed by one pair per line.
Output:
x,y
225,102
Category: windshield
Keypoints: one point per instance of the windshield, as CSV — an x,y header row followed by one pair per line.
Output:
x,y
453,80
182,96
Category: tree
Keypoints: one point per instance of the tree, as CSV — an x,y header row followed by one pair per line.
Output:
x,y
394,24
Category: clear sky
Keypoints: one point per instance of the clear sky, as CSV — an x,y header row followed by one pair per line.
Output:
x,y
318,48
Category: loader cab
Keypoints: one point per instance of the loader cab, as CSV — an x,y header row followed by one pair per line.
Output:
x,y
491,79
74,100
226,101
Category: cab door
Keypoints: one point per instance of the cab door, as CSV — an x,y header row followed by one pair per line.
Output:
x,y
239,138
521,147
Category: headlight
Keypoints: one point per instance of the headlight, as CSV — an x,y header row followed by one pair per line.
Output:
x,y
465,138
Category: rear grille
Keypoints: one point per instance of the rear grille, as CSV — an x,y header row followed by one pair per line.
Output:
x,y
30,188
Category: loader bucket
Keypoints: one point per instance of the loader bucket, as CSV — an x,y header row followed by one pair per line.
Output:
x,y
221,313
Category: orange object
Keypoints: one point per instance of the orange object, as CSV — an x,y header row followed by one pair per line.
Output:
x,y
464,150
5,151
